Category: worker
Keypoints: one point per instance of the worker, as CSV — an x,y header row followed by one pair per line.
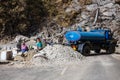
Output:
x,y
39,44
19,44
24,48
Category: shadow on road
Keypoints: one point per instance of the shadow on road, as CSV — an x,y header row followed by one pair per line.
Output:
x,y
98,54
117,53
3,63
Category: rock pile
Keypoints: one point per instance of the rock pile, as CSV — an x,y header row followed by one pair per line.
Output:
x,y
101,13
56,54
98,13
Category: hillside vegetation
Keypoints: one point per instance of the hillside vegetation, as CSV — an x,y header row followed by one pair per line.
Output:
x,y
19,16
26,17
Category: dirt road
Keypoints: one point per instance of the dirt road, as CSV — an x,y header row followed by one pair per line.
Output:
x,y
99,67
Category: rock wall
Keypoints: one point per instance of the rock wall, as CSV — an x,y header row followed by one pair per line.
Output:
x,y
98,13
53,17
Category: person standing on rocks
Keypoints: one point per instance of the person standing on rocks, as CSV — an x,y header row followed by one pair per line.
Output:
x,y
39,44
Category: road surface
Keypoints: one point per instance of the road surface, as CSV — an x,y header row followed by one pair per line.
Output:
x,y
99,67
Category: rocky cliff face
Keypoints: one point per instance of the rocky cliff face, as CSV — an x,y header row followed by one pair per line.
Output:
x,y
51,16
20,16
87,13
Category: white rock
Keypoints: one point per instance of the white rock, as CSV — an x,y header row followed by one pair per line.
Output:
x,y
84,15
109,5
92,7
3,56
18,37
108,13
103,2
77,8
83,22
106,17
14,52
106,7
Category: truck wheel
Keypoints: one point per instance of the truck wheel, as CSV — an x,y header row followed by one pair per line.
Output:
x,y
86,50
110,50
97,50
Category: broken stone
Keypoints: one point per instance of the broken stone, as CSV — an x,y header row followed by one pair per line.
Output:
x,y
108,13
109,5
68,10
17,38
92,7
106,7
56,53
84,15
103,2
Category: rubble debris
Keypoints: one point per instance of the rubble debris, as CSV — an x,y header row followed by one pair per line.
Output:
x,y
27,57
56,54
18,37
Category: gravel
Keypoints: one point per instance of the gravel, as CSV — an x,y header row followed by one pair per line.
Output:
x,y
57,55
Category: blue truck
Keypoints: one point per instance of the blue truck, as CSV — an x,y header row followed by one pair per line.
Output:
x,y
95,39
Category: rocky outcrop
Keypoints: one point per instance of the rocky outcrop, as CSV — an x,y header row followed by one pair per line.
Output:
x,y
49,17
100,13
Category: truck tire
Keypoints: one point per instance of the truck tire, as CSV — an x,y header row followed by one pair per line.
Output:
x,y
86,50
110,50
97,50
